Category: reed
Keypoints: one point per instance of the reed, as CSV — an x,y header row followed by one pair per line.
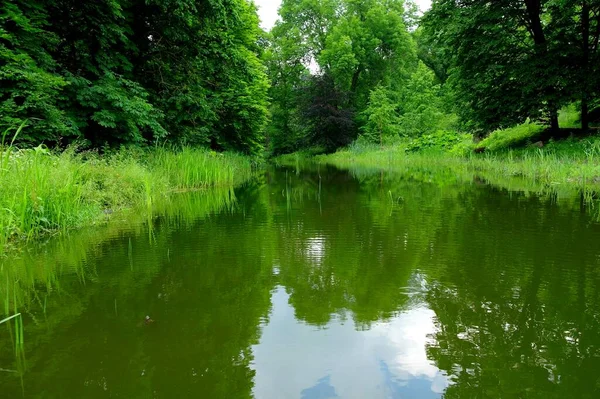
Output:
x,y
18,331
570,165
44,191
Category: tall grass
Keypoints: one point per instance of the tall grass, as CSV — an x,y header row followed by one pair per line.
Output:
x,y
568,166
45,191
512,137
192,168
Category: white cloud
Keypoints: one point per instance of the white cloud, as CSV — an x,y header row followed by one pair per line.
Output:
x,y
293,357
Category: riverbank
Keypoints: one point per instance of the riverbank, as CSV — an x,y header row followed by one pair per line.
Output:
x,y
564,167
43,191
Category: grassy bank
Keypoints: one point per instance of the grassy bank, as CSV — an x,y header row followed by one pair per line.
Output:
x,y
43,191
571,165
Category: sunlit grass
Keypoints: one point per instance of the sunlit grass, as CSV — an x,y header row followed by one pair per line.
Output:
x,y
569,117
44,191
572,164
511,137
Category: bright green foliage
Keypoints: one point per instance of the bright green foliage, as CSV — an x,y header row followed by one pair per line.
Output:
x,y
133,71
438,140
512,137
350,46
368,45
381,115
284,61
421,103
569,117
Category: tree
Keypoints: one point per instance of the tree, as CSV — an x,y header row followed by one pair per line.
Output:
x,y
285,58
134,71
381,115
577,24
505,67
330,123
369,45
350,47
29,84
421,103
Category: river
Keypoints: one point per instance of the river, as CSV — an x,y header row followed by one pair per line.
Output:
x,y
314,283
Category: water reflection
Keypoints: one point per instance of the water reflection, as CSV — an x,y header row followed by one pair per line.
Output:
x,y
317,284
295,359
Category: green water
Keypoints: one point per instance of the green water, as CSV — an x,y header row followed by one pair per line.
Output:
x,y
315,284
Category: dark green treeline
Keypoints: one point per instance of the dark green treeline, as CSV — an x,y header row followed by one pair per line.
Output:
x,y
330,71
133,71
378,69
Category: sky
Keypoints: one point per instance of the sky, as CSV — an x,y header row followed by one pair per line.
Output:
x,y
267,10
294,359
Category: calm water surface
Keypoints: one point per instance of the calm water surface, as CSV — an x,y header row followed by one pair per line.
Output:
x,y
315,284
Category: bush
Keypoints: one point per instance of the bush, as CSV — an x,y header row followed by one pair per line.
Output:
x,y
569,117
439,140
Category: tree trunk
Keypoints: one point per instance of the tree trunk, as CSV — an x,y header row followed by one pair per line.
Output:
x,y
585,32
585,120
554,120
534,9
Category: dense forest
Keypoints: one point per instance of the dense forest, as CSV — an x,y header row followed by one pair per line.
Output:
x,y
133,72
344,68
203,73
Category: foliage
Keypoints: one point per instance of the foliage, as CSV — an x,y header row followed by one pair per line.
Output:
x,y
42,190
512,137
421,104
119,72
381,116
569,117
330,123
508,61
355,49
438,140
571,166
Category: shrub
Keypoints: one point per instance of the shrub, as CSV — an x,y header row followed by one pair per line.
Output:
x,y
438,140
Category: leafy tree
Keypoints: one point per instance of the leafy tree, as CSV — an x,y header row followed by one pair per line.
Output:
x,y
201,64
381,115
369,45
134,71
351,47
284,59
29,84
421,103
577,27
330,123
504,67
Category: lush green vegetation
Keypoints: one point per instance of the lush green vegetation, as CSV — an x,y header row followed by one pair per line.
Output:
x,y
568,166
133,72
329,72
44,190
379,72
374,76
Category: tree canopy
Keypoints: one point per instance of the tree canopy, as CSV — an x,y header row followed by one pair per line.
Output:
x,y
116,72
131,71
